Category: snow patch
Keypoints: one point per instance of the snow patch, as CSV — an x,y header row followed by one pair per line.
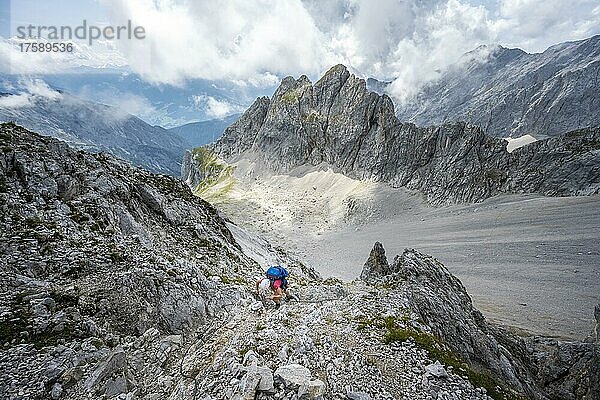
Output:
x,y
515,143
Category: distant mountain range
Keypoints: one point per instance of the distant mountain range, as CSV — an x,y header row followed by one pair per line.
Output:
x,y
96,127
204,132
337,121
508,92
164,105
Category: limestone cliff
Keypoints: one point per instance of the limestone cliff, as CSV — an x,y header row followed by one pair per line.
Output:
x,y
339,122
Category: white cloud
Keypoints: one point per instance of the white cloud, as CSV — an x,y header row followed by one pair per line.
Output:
x,y
219,40
255,43
133,104
15,61
250,43
37,87
442,34
215,108
15,100
26,91
123,103
534,25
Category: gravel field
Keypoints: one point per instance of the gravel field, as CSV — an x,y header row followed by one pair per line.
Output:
x,y
531,263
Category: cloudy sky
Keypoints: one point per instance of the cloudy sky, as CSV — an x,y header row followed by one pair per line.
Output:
x,y
256,42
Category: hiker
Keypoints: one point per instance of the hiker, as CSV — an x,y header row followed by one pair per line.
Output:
x,y
275,282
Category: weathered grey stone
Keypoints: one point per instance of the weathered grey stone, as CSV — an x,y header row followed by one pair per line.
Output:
x,y
56,391
509,92
337,121
71,376
266,383
537,367
313,389
115,386
358,396
436,369
250,358
115,362
249,383
293,374
376,265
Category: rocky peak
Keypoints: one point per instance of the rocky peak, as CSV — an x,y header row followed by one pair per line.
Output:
x,y
339,122
334,78
338,72
376,265
512,93
531,366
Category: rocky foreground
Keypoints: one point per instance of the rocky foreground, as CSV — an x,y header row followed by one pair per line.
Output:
x,y
120,284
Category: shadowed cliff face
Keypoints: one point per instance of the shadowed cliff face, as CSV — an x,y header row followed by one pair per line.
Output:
x,y
339,122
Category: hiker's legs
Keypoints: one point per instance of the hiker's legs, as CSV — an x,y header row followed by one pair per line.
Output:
x,y
278,295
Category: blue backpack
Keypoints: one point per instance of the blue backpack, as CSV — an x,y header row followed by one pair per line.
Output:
x,y
278,272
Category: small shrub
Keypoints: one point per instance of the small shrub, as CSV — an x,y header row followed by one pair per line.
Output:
x,y
438,350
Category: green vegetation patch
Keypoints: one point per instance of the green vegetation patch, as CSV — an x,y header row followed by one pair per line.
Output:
x,y
313,116
234,280
438,350
290,97
218,175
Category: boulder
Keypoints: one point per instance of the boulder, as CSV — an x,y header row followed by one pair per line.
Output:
x,y
298,377
293,374
266,383
436,369
358,395
314,389
115,362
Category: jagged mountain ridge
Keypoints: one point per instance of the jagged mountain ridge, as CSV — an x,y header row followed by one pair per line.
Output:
x,y
509,92
118,282
98,127
337,121
523,362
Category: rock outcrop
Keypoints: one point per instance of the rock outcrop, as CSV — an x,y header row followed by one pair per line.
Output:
x,y
377,265
337,121
537,367
509,92
107,271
